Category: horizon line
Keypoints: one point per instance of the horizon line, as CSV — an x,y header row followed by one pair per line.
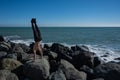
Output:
x,y
61,26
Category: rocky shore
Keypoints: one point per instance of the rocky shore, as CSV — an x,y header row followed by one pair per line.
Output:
x,y
59,63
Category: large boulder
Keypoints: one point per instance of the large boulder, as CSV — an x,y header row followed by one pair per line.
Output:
x,y
52,55
16,48
10,64
53,65
58,75
59,48
84,58
20,51
12,56
24,57
2,54
47,46
99,79
88,71
108,71
81,48
70,72
37,70
63,51
97,61
24,47
1,38
4,46
7,75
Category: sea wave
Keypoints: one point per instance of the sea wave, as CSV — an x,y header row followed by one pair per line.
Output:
x,y
104,52
13,37
26,41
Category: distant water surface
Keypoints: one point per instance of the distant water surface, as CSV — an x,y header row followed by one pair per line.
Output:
x,y
97,37
70,35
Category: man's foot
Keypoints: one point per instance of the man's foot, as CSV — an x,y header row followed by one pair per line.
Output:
x,y
33,20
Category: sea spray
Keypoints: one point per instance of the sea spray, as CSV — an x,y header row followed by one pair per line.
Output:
x,y
105,53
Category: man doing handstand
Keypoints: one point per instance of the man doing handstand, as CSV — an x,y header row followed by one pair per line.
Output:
x,y
37,39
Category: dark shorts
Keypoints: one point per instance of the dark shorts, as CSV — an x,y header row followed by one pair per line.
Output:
x,y
37,37
37,33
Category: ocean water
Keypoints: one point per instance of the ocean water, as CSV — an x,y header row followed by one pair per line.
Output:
x,y
101,40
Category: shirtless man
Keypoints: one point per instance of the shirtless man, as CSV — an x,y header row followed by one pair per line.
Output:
x,y
37,39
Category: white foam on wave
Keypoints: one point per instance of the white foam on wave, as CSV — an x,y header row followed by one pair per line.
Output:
x,y
105,53
27,41
13,37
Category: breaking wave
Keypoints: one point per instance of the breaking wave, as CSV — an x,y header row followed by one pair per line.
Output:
x,y
104,52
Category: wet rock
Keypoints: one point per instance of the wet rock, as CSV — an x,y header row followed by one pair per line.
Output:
x,y
25,47
88,71
23,56
4,46
16,48
47,46
12,56
53,65
104,55
10,64
80,48
70,72
62,51
46,57
2,54
97,61
117,58
7,75
45,52
39,69
84,58
1,38
27,57
99,79
31,47
58,48
58,75
52,55
108,71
